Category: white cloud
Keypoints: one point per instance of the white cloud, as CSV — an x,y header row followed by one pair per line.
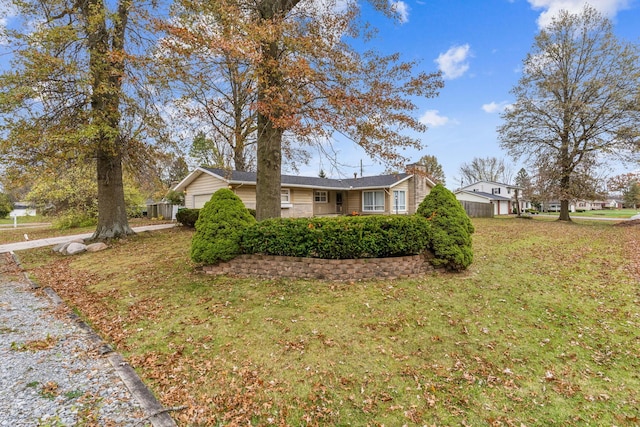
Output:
x,y
551,8
453,63
401,9
433,118
494,107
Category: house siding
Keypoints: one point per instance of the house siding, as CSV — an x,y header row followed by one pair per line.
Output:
x,y
202,183
302,200
201,190
320,208
354,202
247,193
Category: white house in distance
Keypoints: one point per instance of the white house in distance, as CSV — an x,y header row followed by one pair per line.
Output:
x,y
303,196
22,209
501,196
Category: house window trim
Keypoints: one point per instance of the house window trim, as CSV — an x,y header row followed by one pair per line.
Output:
x,y
401,209
284,204
364,207
317,196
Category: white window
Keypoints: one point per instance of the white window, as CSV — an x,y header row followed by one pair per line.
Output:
x,y
320,197
399,202
285,196
373,201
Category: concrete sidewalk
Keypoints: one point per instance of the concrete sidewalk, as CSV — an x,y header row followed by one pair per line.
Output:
x,y
30,244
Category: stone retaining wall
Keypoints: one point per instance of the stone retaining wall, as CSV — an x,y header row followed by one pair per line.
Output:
x,y
269,266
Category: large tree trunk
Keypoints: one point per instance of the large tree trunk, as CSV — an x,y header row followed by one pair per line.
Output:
x,y
106,63
269,150
268,181
271,95
564,211
564,202
112,212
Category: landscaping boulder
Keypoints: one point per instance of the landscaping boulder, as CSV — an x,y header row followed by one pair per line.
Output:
x,y
75,248
95,247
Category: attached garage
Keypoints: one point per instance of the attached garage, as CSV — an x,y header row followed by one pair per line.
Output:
x,y
200,199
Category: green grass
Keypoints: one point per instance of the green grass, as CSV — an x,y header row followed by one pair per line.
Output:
x,y
605,213
28,219
541,330
43,230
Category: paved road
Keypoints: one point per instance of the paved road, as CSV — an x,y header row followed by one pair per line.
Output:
x,y
30,244
27,225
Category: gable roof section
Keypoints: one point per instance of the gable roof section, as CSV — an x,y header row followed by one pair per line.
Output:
x,y
490,183
240,177
484,195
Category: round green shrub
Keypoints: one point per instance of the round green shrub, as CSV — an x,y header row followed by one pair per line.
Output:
x,y
5,205
219,228
451,229
187,217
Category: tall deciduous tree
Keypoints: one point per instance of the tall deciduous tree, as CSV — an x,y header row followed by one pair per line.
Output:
x,y
632,195
433,168
576,103
207,153
309,82
215,86
67,98
485,169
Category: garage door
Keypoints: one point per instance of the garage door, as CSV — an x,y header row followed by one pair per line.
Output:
x,y
200,200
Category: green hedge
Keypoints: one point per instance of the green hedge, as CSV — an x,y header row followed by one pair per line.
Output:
x,y
338,237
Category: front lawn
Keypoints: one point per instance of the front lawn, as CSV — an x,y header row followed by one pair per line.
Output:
x,y
602,213
44,230
543,329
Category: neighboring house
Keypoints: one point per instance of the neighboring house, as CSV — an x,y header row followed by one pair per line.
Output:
x,y
583,205
22,209
501,196
501,205
303,196
613,203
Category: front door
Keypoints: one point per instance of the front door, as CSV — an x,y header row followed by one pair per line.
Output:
x,y
339,203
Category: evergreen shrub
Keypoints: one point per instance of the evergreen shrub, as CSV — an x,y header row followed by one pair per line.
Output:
x,y
5,205
338,237
187,217
451,229
219,228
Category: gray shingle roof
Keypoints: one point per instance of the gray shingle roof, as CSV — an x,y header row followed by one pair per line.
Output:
x,y
485,195
378,181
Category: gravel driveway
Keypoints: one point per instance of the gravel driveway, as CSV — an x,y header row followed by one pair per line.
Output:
x,y
55,371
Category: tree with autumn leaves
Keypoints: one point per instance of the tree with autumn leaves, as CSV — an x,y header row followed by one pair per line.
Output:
x,y
308,82
72,95
576,105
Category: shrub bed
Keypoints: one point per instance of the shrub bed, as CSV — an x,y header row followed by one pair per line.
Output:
x,y
338,237
188,217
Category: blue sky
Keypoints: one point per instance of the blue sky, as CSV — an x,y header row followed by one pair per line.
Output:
x,y
479,45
